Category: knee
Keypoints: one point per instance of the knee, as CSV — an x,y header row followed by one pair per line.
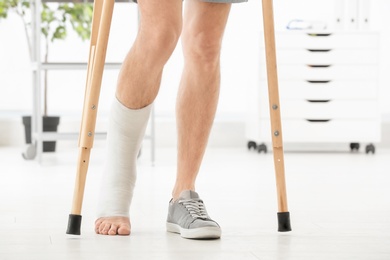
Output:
x,y
160,40
202,49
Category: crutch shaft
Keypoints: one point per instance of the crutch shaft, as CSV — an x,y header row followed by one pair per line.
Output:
x,y
276,125
280,179
95,73
74,222
81,176
101,23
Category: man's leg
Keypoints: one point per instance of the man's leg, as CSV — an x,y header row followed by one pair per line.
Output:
x,y
203,28
138,84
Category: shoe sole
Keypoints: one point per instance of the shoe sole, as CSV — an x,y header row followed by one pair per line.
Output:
x,y
195,233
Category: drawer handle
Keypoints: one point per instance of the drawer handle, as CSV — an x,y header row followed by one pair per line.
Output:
x,y
318,81
318,66
318,120
318,100
319,34
319,50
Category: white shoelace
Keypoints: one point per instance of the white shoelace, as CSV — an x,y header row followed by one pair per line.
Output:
x,y
195,207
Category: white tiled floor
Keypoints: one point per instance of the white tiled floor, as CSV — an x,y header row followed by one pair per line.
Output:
x,y
339,204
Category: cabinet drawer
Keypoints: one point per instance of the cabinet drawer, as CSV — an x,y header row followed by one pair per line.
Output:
x,y
332,131
324,57
336,89
331,72
345,40
324,109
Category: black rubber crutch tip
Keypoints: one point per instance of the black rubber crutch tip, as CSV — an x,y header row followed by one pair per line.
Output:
x,y
74,225
284,224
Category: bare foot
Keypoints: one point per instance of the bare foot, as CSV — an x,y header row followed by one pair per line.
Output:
x,y
113,226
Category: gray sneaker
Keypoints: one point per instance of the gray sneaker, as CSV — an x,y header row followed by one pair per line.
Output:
x,y
188,217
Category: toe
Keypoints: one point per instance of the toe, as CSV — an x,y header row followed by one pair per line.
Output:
x,y
97,225
104,228
124,230
113,230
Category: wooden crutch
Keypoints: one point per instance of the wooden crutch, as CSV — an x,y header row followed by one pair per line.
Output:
x,y
276,124
101,23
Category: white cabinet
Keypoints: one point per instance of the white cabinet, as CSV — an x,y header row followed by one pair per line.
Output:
x,y
328,90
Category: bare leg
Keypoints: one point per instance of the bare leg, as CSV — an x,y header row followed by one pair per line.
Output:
x,y
159,31
140,76
203,28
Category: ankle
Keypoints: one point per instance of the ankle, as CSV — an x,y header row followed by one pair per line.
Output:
x,y
178,190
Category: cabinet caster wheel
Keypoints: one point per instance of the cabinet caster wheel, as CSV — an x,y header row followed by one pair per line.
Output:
x,y
251,145
354,146
370,148
30,153
262,148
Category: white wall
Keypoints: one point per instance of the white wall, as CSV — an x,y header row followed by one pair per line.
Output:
x,y
239,59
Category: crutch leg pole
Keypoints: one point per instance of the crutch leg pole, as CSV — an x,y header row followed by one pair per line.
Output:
x,y
276,125
101,22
